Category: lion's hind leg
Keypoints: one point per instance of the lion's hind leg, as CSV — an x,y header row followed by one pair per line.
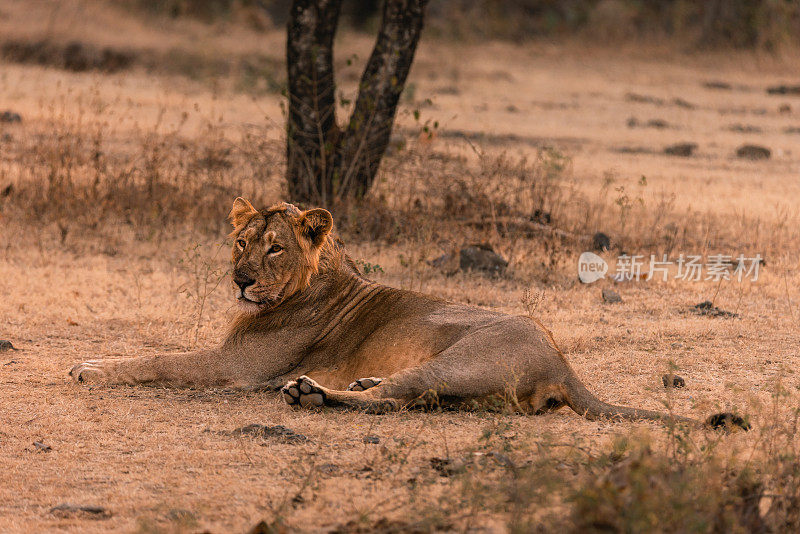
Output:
x,y
306,393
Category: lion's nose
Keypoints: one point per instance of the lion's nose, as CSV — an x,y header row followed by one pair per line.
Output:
x,y
243,281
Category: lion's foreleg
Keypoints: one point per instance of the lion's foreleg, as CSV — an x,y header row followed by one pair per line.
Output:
x,y
206,367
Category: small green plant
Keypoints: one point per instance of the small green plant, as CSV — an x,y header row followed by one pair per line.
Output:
x,y
368,267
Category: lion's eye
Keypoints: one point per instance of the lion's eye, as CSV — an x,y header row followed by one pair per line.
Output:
x,y
274,249
241,243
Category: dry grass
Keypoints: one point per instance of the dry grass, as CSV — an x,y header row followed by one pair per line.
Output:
x,y
111,234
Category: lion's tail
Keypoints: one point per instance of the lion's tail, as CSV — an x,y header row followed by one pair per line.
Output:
x,y
585,403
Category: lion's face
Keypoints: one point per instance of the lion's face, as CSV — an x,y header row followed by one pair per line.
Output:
x,y
275,252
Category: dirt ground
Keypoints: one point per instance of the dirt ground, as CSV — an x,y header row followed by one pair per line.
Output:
x,y
166,460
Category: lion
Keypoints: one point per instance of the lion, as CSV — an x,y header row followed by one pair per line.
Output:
x,y
308,317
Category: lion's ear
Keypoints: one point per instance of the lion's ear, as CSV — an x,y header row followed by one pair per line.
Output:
x,y
240,213
315,225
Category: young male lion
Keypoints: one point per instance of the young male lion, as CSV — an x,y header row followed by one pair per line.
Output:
x,y
306,311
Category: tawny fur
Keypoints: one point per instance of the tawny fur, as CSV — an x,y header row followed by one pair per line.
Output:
x,y
315,315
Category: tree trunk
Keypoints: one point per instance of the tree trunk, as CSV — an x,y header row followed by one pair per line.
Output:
x,y
312,132
327,164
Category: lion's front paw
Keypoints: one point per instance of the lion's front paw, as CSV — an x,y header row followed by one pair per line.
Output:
x,y
363,384
303,392
87,372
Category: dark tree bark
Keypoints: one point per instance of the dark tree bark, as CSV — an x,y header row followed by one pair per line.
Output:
x,y
327,163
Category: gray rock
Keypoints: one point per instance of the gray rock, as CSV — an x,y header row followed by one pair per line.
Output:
x,y
658,124
681,149
753,152
784,90
633,150
683,103
481,258
673,381
611,297
601,242
6,345
644,99
77,510
374,440
744,128
276,431
727,421
10,117
707,308
716,84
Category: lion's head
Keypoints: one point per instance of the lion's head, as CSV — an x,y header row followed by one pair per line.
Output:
x,y
275,251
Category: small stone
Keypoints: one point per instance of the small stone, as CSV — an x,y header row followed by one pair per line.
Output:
x,y
707,308
726,421
72,510
673,381
715,84
601,242
683,103
373,440
276,431
784,90
611,297
744,128
784,109
10,117
644,99
681,149
633,150
481,258
328,469
6,345
754,152
42,447
659,124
